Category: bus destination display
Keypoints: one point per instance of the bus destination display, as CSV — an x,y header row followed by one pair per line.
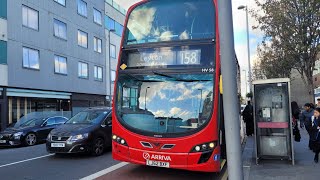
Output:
x,y
164,58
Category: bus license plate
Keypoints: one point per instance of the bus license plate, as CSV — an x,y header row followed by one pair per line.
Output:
x,y
158,163
3,141
57,145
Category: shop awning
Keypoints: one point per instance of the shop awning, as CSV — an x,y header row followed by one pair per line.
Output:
x,y
11,92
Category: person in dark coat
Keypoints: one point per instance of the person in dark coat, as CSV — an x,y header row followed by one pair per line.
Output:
x,y
295,112
315,134
248,119
305,120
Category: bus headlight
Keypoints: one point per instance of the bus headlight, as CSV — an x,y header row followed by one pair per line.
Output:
x,y
204,147
119,140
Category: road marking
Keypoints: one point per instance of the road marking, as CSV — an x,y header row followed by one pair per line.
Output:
x,y
5,165
105,171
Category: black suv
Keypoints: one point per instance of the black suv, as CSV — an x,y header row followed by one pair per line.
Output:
x,y
87,131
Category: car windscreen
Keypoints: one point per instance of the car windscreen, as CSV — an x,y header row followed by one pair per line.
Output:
x,y
88,117
30,122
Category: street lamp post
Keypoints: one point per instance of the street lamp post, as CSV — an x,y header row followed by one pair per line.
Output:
x,y
110,30
245,79
145,99
248,45
230,94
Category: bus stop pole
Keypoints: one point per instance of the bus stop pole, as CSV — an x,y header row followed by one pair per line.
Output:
x,y
230,93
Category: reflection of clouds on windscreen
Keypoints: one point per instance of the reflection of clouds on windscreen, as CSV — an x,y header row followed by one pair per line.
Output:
x,y
140,22
173,112
174,99
166,36
184,35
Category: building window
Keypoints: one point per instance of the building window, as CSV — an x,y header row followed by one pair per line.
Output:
x,y
82,39
30,18
97,16
60,65
82,8
60,29
83,70
112,51
110,23
118,29
98,73
97,44
31,58
113,75
61,2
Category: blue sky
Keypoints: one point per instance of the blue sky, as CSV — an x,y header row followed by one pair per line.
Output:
x,y
240,36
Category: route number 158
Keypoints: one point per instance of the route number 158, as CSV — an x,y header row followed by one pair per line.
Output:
x,y
189,57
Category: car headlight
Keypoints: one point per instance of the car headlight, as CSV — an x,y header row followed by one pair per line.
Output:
x,y
17,135
79,137
49,137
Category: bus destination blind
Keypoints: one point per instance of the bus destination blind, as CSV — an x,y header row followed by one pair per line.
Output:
x,y
164,58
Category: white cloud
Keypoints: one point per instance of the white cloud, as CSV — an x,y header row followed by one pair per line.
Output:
x,y
162,95
160,113
175,111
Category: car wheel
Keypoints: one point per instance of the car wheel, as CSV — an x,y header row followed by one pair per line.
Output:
x,y
31,139
98,147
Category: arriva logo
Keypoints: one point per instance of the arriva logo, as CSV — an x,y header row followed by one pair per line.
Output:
x,y
160,157
147,156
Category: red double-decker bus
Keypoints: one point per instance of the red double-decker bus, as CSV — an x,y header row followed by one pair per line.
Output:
x,y
167,104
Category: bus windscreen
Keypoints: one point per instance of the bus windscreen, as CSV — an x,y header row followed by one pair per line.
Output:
x,y
168,20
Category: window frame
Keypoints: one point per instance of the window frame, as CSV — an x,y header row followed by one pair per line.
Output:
x,y
87,45
80,70
96,73
96,41
94,20
115,51
58,1
78,10
66,61
54,20
27,25
28,67
109,19
113,76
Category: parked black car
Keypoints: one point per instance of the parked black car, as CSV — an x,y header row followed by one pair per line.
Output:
x,y
88,131
30,129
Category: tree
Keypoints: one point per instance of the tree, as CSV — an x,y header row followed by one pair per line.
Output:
x,y
257,71
273,63
291,37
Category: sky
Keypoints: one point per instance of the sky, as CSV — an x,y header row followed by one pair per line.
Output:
x,y
240,36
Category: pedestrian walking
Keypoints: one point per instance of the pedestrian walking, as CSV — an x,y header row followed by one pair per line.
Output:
x,y
305,120
315,133
295,110
248,119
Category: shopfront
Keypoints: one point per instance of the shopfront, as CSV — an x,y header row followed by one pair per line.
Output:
x,y
21,102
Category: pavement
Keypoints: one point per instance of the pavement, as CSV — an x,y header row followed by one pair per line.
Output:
x,y
304,167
